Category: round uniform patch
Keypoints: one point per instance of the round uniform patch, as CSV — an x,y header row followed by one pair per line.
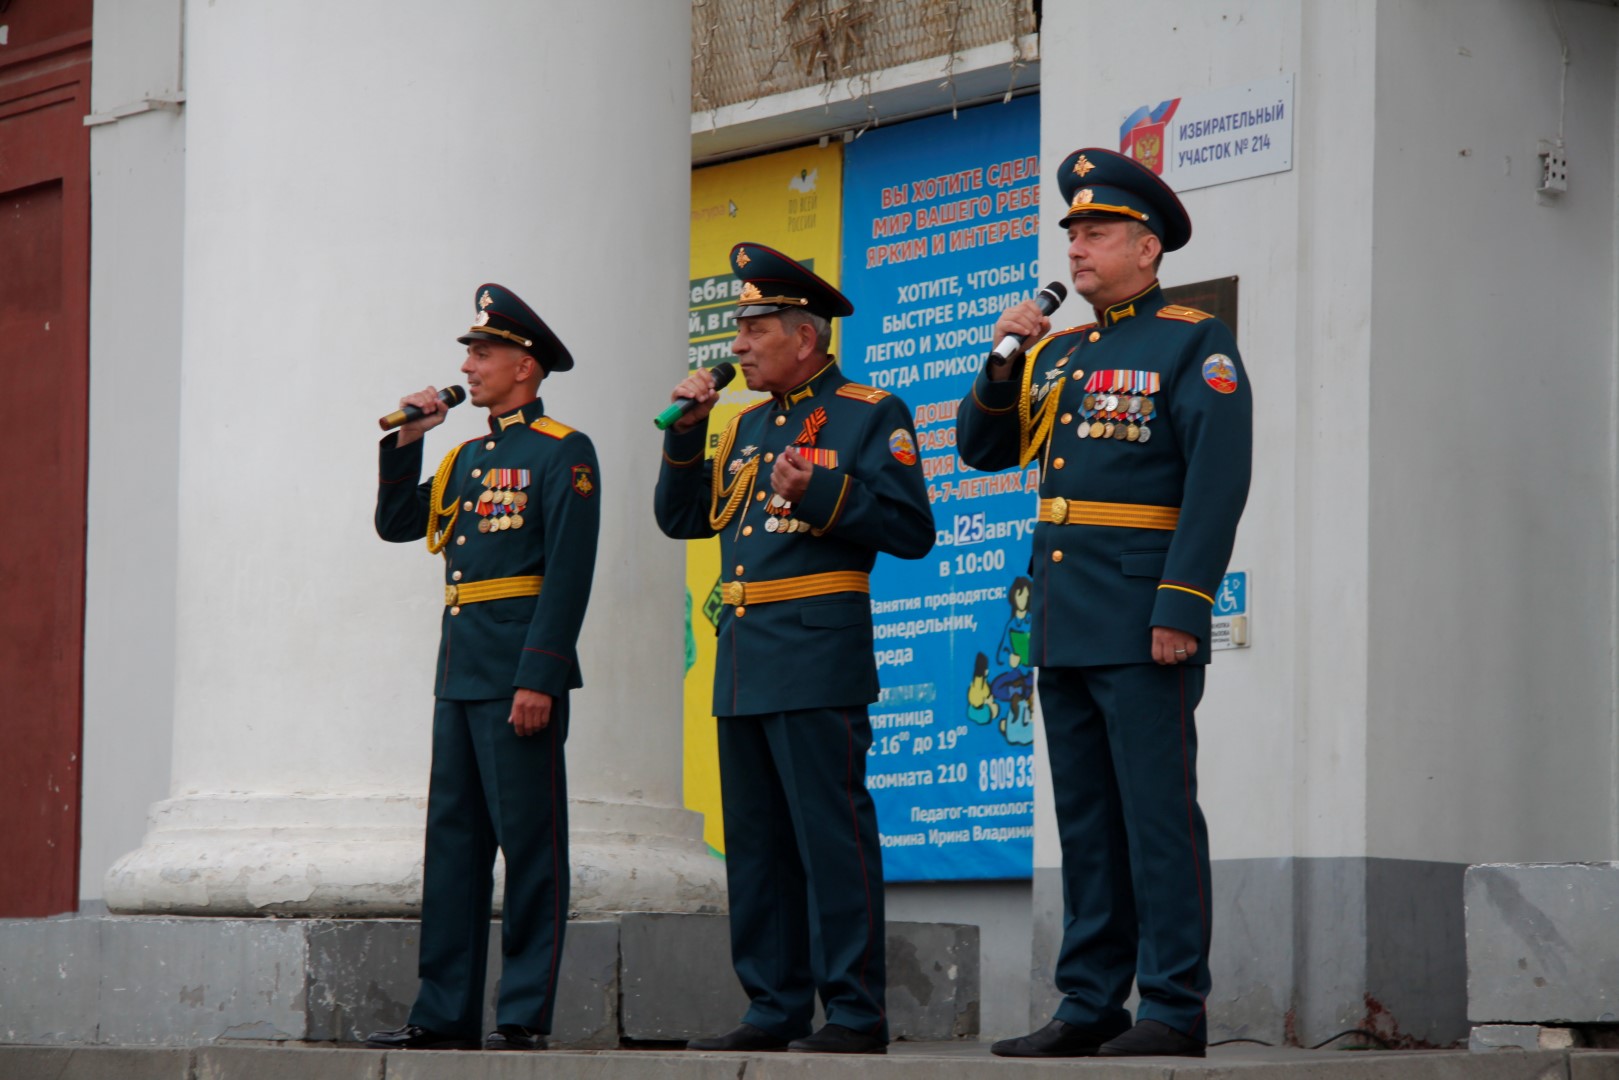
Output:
x,y
902,446
1220,373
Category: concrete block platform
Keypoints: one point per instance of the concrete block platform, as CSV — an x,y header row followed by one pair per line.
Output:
x,y
905,1061
1542,944
108,980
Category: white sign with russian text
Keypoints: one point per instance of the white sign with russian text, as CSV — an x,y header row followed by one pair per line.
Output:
x,y
1216,136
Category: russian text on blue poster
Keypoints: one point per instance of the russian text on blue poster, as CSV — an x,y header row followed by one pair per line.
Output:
x,y
940,219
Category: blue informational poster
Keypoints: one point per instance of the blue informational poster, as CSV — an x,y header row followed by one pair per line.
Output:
x,y
940,219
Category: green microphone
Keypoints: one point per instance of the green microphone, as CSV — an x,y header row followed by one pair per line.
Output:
x,y
722,373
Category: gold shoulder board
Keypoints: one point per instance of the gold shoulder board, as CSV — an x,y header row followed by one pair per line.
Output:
x,y
554,428
859,392
1182,313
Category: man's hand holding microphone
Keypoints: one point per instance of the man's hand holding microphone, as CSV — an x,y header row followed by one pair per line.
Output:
x,y
694,398
421,411
1023,323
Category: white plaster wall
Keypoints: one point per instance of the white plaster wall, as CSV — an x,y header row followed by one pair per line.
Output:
x,y
341,209
1281,724
1491,729
137,202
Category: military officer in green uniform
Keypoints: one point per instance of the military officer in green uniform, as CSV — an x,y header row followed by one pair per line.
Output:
x,y
1141,423
515,513
804,489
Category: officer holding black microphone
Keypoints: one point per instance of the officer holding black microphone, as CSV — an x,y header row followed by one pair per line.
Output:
x,y
515,514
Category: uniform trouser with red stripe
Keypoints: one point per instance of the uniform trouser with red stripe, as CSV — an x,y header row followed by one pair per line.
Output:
x,y
492,788
804,869
1135,862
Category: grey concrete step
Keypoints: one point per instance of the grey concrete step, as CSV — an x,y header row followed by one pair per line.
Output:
x,y
906,1061
113,980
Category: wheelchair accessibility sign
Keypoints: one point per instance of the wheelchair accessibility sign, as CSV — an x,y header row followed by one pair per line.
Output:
x,y
1229,629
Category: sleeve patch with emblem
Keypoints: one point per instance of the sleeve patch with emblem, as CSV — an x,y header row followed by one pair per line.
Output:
x,y
902,446
1220,373
583,481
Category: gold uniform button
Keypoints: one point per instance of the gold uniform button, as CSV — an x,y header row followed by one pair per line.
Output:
x,y
741,611
758,496
769,458
1067,418
1057,463
477,473
1056,556
1096,335
455,610
460,540
739,570
490,445
747,530
468,505
456,576
780,420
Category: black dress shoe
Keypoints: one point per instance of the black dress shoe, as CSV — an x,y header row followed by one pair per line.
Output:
x,y
837,1039
416,1037
746,1038
1057,1039
514,1037
1149,1038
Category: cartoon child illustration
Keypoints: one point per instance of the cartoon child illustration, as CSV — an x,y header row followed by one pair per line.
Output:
x,y
981,704
1018,724
1014,649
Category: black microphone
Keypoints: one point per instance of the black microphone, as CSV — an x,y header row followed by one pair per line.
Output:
x,y
450,395
723,374
1049,299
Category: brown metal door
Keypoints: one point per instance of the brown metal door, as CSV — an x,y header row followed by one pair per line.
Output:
x,y
44,382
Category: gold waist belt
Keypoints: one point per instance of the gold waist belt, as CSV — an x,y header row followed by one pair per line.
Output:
x,y
741,593
501,588
1124,515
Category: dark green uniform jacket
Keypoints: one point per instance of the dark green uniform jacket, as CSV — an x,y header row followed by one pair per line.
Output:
x,y
1100,588
865,495
488,649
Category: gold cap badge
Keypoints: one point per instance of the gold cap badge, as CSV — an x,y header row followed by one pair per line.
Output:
x,y
1082,166
485,300
482,319
742,259
1084,197
750,293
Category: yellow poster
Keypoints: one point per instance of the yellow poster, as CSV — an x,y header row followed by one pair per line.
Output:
x,y
788,201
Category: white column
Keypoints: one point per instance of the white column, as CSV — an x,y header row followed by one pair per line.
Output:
x,y
353,171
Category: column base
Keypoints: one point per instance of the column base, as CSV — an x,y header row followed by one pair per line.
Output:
x,y
350,855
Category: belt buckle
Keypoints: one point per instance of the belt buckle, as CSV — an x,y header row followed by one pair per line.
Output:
x,y
734,594
1059,511
452,593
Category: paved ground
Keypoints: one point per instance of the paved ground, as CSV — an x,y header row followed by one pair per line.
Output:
x,y
906,1061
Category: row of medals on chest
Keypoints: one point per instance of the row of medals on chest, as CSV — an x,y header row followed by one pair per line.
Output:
x,y
1114,416
778,511
500,507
